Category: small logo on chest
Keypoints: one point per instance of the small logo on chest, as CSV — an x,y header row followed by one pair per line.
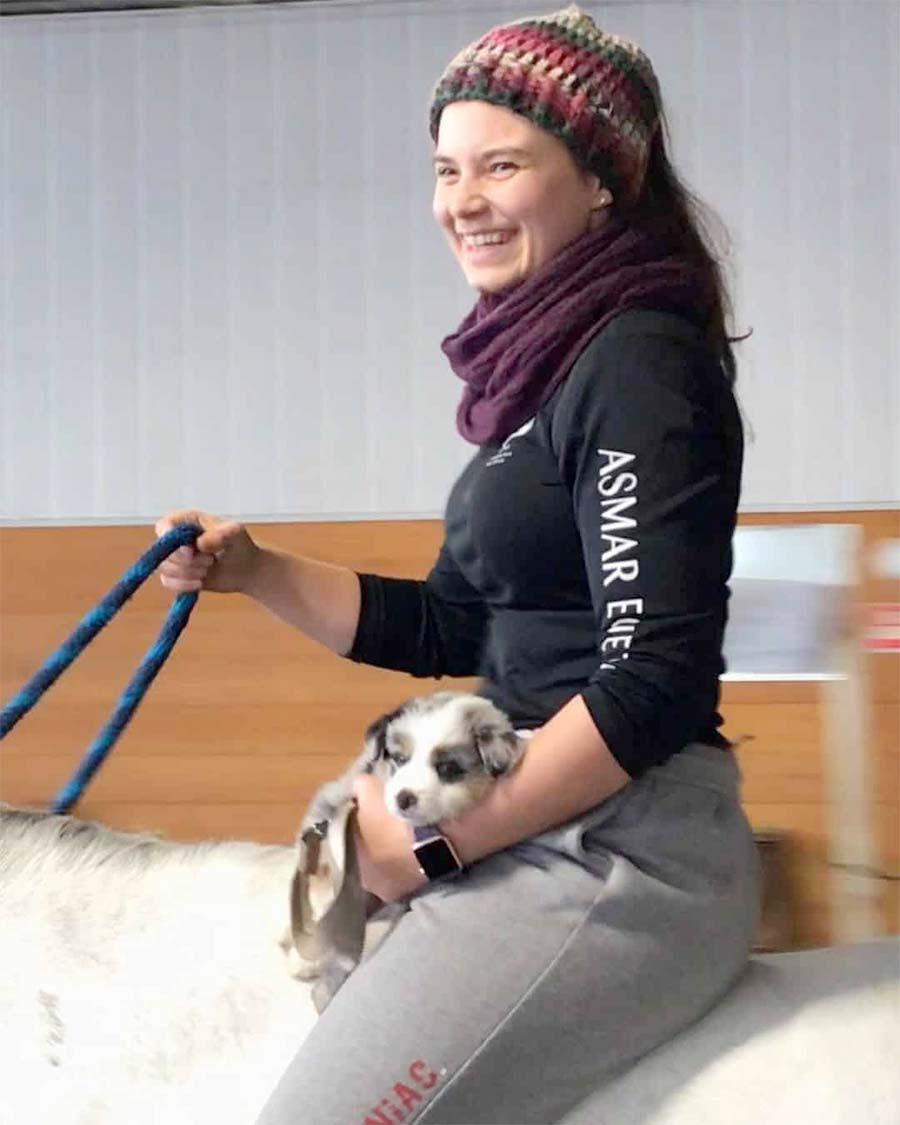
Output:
x,y
505,451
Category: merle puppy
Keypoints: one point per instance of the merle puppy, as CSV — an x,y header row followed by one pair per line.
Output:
x,y
438,756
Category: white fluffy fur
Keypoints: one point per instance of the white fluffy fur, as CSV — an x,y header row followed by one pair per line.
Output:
x,y
142,981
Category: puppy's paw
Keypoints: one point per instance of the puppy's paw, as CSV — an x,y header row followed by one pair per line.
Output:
x,y
301,969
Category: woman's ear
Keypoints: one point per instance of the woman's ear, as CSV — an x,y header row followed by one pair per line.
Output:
x,y
602,197
601,201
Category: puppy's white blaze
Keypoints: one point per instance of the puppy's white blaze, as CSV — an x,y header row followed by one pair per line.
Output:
x,y
417,778
436,800
447,724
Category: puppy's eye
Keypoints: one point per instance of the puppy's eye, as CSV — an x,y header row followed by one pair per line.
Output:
x,y
398,757
449,771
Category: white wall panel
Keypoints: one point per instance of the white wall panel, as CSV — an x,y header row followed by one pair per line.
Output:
x,y
114,253
221,282
29,289
869,264
213,451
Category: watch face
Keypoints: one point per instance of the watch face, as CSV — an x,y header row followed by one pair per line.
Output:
x,y
437,859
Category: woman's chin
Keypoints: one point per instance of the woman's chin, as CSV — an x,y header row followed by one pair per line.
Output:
x,y
495,278
494,283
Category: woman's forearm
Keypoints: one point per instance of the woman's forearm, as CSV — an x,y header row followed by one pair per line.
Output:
x,y
317,598
566,770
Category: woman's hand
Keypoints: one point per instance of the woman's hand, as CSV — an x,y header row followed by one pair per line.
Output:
x,y
223,558
387,865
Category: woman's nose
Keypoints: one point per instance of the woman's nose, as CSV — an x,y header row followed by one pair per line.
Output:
x,y
467,201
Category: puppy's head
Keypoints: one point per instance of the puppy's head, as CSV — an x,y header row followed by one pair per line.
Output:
x,y
440,754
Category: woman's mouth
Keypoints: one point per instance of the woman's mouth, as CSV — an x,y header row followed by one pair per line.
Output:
x,y
484,245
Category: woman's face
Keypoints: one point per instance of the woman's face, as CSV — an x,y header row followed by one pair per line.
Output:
x,y
508,194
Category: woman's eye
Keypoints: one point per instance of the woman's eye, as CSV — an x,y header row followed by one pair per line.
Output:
x,y
502,166
449,771
443,172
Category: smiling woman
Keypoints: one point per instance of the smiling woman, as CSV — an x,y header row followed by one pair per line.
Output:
x,y
509,195
583,576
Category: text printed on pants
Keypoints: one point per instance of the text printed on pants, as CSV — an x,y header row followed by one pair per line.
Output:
x,y
404,1096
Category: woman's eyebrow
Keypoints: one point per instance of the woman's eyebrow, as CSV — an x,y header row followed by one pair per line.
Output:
x,y
488,154
506,150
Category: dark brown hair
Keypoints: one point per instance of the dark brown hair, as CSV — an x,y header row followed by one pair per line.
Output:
x,y
668,209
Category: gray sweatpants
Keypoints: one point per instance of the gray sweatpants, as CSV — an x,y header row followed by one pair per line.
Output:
x,y
513,992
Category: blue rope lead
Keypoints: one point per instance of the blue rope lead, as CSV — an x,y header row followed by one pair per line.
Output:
x,y
85,631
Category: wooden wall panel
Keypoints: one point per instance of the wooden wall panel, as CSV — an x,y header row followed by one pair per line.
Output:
x,y
248,717
244,721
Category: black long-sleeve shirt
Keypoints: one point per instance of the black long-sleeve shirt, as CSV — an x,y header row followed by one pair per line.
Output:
x,y
590,552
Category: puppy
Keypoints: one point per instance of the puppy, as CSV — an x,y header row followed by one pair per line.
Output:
x,y
438,756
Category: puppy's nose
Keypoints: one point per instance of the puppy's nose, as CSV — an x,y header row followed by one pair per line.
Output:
x,y
405,799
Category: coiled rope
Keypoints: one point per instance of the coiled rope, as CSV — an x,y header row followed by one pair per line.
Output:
x,y
89,626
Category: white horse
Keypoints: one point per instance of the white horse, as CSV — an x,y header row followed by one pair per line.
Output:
x,y
141,980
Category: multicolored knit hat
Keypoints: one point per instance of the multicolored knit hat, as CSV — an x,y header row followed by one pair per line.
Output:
x,y
593,90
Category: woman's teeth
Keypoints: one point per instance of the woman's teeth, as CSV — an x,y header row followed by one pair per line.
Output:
x,y
490,239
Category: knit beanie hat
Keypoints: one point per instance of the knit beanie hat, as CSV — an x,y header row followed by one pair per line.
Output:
x,y
593,90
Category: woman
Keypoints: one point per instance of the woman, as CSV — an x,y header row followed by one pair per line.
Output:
x,y
608,891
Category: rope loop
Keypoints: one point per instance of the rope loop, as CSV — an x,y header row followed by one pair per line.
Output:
x,y
89,626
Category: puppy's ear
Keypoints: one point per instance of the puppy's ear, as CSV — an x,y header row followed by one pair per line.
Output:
x,y
375,741
499,750
495,740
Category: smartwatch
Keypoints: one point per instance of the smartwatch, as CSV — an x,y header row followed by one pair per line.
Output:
x,y
435,854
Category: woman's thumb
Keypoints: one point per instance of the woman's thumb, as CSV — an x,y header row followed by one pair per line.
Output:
x,y
217,538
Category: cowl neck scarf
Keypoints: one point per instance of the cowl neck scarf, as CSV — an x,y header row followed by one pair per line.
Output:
x,y
514,348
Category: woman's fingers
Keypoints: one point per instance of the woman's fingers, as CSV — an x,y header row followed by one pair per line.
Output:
x,y
216,532
180,585
181,515
187,563
219,560
219,538
184,570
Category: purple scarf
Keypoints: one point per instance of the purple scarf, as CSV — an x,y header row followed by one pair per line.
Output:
x,y
514,349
